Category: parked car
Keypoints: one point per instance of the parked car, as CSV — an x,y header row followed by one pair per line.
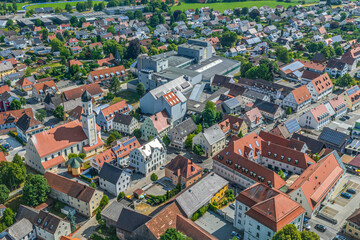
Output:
x,y
306,220
347,117
320,227
235,234
232,205
351,191
346,195
307,227
342,119
339,237
162,167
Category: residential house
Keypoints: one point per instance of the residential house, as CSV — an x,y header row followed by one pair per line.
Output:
x,y
262,211
320,87
298,99
269,110
40,90
334,139
148,157
337,107
107,74
9,119
317,183
97,161
351,58
234,105
183,171
113,179
6,99
253,118
156,125
211,140
27,126
106,115
353,224
336,67
85,200
179,133
125,123
25,85
75,93
6,68
21,230
315,118
352,97
50,226
232,125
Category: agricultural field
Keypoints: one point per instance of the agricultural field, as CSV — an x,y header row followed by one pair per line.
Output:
x,y
221,6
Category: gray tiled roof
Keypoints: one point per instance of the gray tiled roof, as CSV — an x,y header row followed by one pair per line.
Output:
x,y
110,173
20,229
213,134
200,194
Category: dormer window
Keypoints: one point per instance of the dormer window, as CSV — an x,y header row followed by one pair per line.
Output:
x,y
289,159
269,153
275,155
282,157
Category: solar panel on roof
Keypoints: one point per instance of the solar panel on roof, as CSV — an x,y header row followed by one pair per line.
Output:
x,y
353,143
332,136
131,140
292,125
357,145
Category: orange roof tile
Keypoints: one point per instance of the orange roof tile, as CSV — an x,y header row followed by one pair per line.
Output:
x,y
322,83
24,82
13,116
4,88
88,148
301,94
53,162
319,111
58,138
109,112
124,148
318,179
107,156
108,73
183,167
2,157
171,98
75,93
44,85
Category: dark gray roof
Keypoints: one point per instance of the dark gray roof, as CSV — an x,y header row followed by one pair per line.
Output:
x,y
333,137
336,63
110,173
86,96
129,220
185,128
54,99
123,118
25,122
266,106
113,211
26,212
314,145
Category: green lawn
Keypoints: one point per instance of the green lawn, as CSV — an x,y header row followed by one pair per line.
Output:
x,y
221,6
54,5
129,96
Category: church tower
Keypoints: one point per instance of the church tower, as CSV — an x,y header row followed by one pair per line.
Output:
x,y
88,118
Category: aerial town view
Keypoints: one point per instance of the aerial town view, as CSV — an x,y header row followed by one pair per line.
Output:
x,y
180,120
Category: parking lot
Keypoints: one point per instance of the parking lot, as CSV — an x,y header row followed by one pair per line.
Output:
x,y
15,147
160,187
338,208
344,125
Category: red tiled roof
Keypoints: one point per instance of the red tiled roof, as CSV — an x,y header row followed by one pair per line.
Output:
x,y
319,111
171,98
53,162
287,155
301,94
88,148
2,157
318,179
99,44
44,85
124,148
107,156
108,73
183,167
108,60
58,138
13,116
109,112
336,102
75,62
160,121
191,229
69,187
231,122
322,83
24,82
253,115
276,212
4,88
312,65
12,60
246,167
75,93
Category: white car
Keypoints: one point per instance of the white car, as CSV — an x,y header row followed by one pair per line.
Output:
x,y
307,227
